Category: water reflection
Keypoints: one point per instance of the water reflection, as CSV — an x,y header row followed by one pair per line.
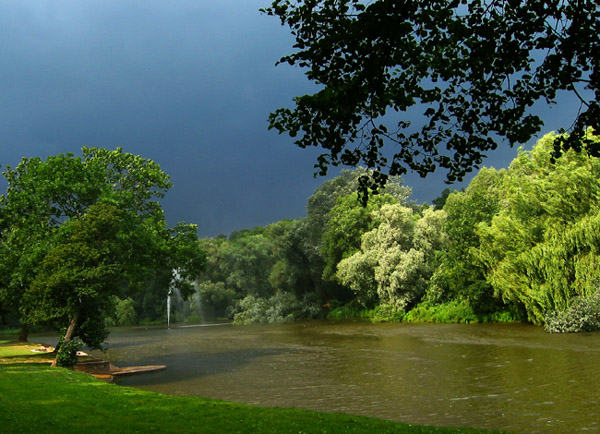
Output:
x,y
510,377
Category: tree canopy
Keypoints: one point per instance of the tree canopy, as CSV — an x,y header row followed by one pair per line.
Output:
x,y
541,250
394,262
473,70
77,231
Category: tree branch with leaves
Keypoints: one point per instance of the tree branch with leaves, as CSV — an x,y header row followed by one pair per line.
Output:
x,y
473,68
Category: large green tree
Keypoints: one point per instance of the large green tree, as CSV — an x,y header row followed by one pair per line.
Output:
x,y
298,266
459,275
473,70
39,197
78,276
237,267
324,198
49,258
324,239
541,250
394,262
348,221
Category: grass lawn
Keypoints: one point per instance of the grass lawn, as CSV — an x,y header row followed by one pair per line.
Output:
x,y
35,398
13,352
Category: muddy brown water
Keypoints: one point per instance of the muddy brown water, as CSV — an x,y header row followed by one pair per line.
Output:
x,y
511,377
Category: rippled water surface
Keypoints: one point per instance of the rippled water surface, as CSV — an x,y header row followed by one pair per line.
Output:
x,y
511,377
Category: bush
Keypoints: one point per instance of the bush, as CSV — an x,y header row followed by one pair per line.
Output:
x,y
282,307
67,352
380,313
349,312
456,311
387,312
582,316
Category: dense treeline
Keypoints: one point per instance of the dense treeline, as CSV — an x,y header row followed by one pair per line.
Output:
x,y
517,244
521,243
287,270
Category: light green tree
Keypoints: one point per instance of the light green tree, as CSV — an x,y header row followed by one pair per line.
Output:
x,y
542,249
395,259
348,221
325,197
317,223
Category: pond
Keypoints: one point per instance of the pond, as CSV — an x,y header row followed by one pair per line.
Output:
x,y
511,377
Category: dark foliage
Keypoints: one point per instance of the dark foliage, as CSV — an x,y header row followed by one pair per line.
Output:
x,y
473,68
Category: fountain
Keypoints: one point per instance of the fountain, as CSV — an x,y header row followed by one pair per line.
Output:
x,y
169,308
172,286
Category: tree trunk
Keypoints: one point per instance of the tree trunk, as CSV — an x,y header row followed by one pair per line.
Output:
x,y
3,315
316,282
68,335
24,333
71,329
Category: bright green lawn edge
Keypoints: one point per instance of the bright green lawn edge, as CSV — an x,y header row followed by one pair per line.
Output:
x,y
35,398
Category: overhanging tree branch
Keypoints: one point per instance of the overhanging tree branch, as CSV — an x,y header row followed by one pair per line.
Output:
x,y
492,60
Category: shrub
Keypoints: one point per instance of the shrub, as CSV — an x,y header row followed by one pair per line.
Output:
x,y
452,312
67,352
455,311
282,307
349,312
582,316
387,312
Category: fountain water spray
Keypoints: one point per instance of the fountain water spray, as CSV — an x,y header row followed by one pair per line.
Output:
x,y
169,308
174,280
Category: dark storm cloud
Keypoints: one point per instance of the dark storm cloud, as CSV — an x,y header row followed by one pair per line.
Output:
x,y
189,84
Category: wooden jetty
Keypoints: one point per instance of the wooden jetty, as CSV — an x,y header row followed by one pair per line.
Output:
x,y
106,371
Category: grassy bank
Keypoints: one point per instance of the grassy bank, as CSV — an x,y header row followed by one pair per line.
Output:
x,y
451,312
38,399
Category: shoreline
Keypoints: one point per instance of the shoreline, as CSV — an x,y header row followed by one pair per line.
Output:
x,y
67,401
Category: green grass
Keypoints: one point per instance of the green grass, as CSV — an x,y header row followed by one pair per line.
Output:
x,y
35,398
20,352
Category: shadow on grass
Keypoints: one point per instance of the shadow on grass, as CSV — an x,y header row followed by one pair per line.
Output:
x,y
18,364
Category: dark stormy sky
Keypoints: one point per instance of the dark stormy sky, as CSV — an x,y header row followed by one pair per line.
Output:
x,y
187,83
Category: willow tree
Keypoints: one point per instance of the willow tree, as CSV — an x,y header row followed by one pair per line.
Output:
x,y
470,71
542,249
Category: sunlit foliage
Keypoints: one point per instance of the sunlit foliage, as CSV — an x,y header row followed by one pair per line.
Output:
x,y
542,249
394,262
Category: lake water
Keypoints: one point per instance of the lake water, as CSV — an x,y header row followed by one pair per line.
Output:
x,y
512,377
